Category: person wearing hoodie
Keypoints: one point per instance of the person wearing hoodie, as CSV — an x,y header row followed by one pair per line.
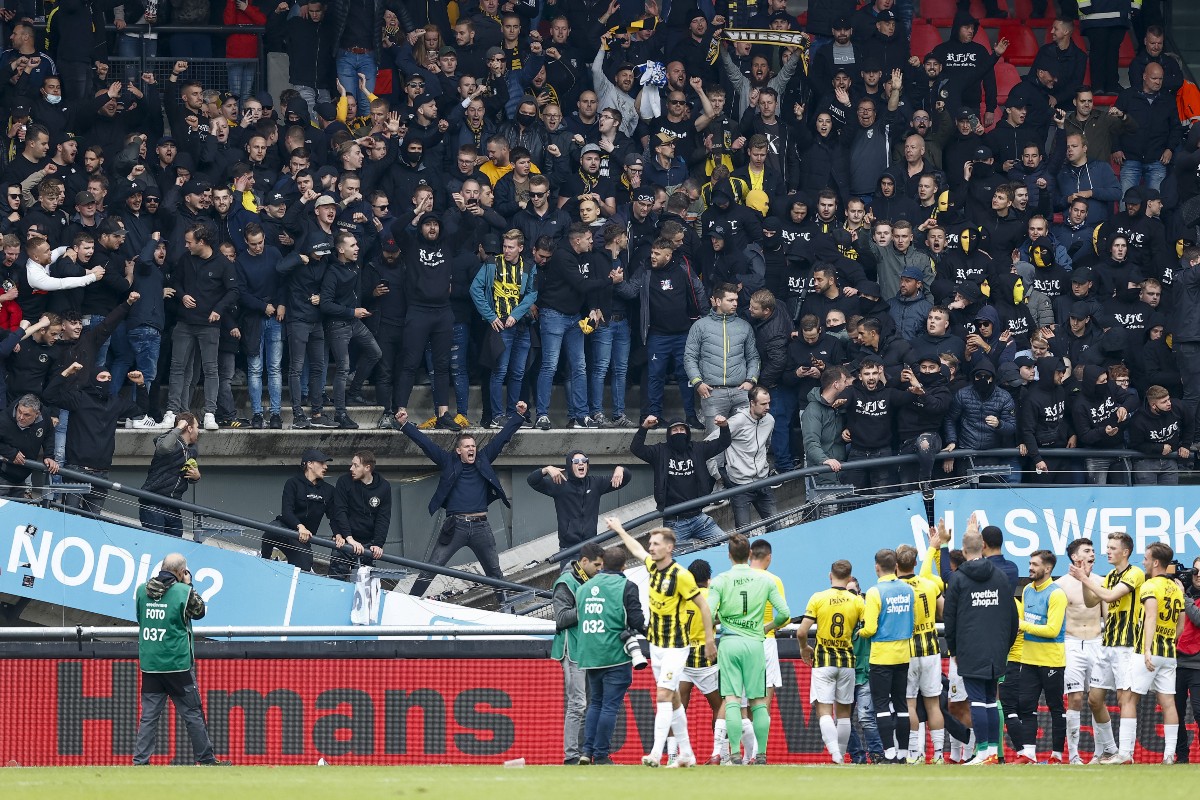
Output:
x,y
981,626
918,424
980,417
577,495
1012,312
1037,303
679,474
969,66
92,435
741,225
1161,430
871,411
823,423
750,429
166,605
988,341
910,306
1100,413
172,470
890,202
1043,421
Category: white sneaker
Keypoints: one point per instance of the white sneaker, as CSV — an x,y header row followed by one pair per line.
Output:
x,y
1169,759
168,420
1117,758
1076,760
651,761
683,760
210,422
143,423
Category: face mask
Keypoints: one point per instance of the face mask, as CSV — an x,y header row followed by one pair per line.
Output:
x,y
678,442
1018,291
836,328
412,159
983,385
772,242
54,99
526,120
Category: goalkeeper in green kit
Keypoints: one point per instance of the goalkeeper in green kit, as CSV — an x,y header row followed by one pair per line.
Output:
x,y
739,600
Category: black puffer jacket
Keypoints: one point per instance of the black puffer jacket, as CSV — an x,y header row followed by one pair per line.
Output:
x,y
981,620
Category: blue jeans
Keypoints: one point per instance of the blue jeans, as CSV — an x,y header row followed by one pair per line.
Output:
x,y
270,342
135,348
510,367
1133,173
697,528
664,351
619,364
783,409
136,46
864,710
160,518
606,695
561,331
91,321
241,78
599,356
348,66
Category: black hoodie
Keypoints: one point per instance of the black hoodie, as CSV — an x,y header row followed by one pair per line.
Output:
x,y
576,500
969,66
1042,418
679,469
92,436
1150,430
869,414
981,620
927,412
1095,408
427,265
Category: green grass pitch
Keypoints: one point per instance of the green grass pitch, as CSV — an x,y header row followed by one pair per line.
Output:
x,y
577,783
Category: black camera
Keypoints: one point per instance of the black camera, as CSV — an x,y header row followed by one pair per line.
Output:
x,y
1184,574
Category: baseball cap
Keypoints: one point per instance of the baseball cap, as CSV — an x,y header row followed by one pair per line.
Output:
x,y
1016,101
717,232
110,226
83,198
663,138
886,16
1149,194
963,113
590,148
266,99
422,99
634,160
1133,196
676,422
494,51
914,273
20,110
842,24
313,454
1081,309
196,186
491,244
447,50
326,110
390,245
168,139
324,200
1024,361
982,153
1082,275
275,199
870,288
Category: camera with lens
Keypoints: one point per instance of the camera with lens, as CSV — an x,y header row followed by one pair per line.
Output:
x,y
633,643
1184,574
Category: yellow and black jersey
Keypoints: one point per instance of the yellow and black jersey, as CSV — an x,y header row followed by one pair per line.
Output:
x,y
769,614
925,594
1123,615
837,612
1170,606
695,631
671,589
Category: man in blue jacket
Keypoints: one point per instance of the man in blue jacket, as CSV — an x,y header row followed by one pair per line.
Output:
x,y
467,486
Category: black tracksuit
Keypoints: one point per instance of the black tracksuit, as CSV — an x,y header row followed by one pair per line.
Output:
x,y
304,503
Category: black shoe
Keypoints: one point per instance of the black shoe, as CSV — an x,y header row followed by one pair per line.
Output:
x,y
570,762
603,761
276,423
694,423
575,423
322,421
446,423
299,420
214,763
355,398
234,422
345,423
584,761
256,422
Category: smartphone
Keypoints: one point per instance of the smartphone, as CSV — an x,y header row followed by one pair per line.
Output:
x,y
974,120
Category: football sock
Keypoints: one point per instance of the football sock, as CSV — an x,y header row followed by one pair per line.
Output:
x,y
1128,735
762,726
749,742
829,735
843,729
1171,739
680,729
719,737
1104,737
1072,734
662,727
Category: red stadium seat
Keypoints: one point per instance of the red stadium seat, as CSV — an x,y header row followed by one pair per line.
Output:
x,y
1125,58
1022,46
1006,78
925,37
940,12
981,37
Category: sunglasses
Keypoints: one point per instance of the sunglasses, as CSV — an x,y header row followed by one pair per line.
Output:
x,y
382,206
579,460
677,102
538,194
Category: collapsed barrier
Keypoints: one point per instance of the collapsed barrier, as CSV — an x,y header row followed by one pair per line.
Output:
x,y
400,702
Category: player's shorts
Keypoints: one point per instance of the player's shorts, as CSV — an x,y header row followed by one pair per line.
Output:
x,y
925,676
668,664
832,685
743,667
1160,681
1112,669
705,679
771,655
958,687
1083,664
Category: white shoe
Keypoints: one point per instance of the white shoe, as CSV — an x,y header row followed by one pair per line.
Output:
x,y
210,422
1117,758
1169,759
1075,760
168,420
683,760
651,761
143,423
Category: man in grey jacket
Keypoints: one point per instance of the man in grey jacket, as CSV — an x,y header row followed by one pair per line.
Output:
x,y
822,424
721,359
750,430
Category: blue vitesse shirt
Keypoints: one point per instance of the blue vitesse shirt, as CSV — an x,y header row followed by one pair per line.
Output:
x,y
889,621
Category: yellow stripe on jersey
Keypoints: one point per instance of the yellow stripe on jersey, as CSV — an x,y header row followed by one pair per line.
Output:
x,y
837,612
670,590
769,614
1018,648
695,632
925,595
1170,606
1123,615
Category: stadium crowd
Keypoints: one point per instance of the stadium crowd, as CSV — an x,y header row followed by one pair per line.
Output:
x,y
581,188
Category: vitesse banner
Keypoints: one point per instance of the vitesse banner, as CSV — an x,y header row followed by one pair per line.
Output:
x,y
772,37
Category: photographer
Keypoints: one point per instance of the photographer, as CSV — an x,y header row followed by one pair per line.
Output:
x,y
566,642
166,606
607,609
1187,673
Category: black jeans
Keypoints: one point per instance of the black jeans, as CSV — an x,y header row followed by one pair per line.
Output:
x,y
390,338
160,518
474,533
339,334
889,689
868,478
1187,681
306,339
1104,51
1035,680
926,446
298,554
342,564
426,326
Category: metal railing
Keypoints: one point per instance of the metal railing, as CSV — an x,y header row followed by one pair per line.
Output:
x,y
1006,454
287,533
